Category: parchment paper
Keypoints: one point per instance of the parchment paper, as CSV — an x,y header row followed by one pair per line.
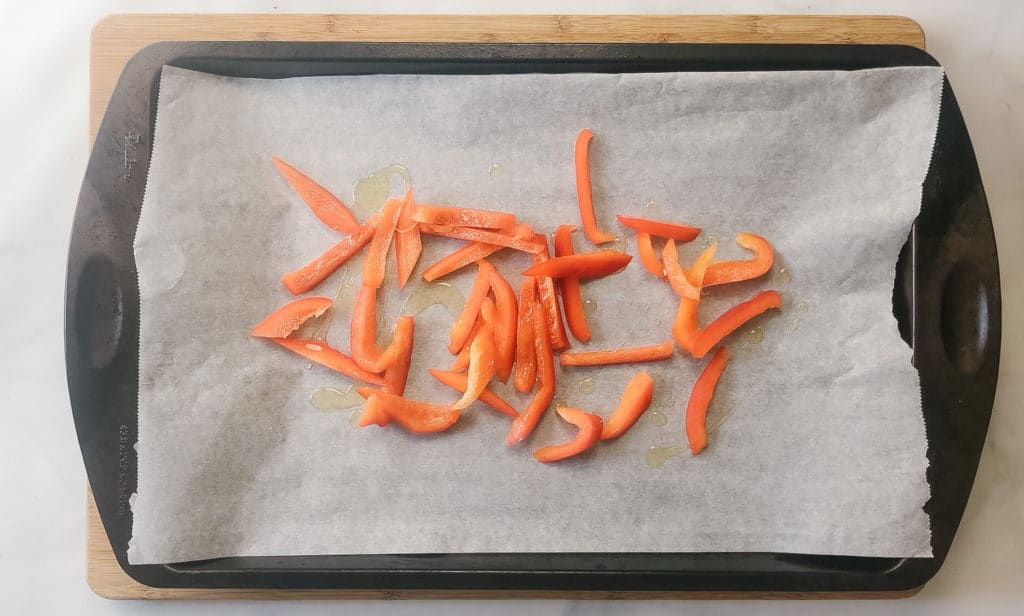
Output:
x,y
817,442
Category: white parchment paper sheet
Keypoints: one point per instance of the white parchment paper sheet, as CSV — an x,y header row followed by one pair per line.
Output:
x,y
817,443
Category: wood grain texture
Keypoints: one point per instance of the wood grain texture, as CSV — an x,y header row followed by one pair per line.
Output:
x,y
116,38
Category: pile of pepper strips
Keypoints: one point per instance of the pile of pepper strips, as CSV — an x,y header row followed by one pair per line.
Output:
x,y
498,335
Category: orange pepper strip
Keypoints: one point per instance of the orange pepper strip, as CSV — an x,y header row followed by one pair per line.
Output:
x,y
408,244
397,374
377,253
481,365
463,217
572,298
581,156
325,206
363,333
319,352
733,319
526,357
667,230
648,257
736,271
697,407
654,352
635,400
528,419
470,253
583,265
415,416
505,325
286,319
508,238
459,382
316,271
589,434
685,327
548,299
463,325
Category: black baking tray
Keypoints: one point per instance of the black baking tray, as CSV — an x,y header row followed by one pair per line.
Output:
x,y
946,298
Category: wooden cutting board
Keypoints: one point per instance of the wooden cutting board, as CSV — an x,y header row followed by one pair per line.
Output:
x,y
116,38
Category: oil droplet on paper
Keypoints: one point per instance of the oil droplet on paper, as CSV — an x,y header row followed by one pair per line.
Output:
x,y
588,385
651,205
428,295
619,244
331,399
494,170
354,417
783,277
708,239
589,307
793,325
801,307
657,456
754,336
309,365
657,418
371,193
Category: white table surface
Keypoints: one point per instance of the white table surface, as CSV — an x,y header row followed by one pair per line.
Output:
x,y
44,119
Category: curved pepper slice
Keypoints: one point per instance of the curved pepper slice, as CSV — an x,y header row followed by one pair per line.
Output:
x,y
397,374
667,230
527,420
460,382
363,333
548,299
481,365
733,319
325,206
654,352
697,407
572,298
635,400
377,253
685,327
589,434
645,248
526,357
288,318
581,157
737,271
582,265
446,215
414,416
408,244
507,238
505,325
463,325
321,353
316,271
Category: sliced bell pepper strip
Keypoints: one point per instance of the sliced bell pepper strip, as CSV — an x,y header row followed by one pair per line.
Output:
x,y
414,416
321,353
463,217
324,205
377,253
505,325
526,356
408,244
733,319
582,265
635,400
397,374
316,271
581,157
685,327
548,298
572,298
459,382
697,406
528,419
470,253
463,325
363,333
667,230
589,434
645,248
507,238
736,271
286,319
481,365
654,352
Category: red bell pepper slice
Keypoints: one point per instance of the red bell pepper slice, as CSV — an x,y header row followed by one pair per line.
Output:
x,y
316,271
414,416
288,318
526,356
685,327
505,325
697,407
481,365
581,158
635,400
572,297
408,243
397,374
463,325
460,382
654,352
733,319
377,253
319,352
324,205
667,230
645,248
589,434
363,334
470,253
737,271
528,419
463,217
583,265
548,298
507,238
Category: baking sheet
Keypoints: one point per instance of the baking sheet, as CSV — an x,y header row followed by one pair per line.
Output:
x,y
818,441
